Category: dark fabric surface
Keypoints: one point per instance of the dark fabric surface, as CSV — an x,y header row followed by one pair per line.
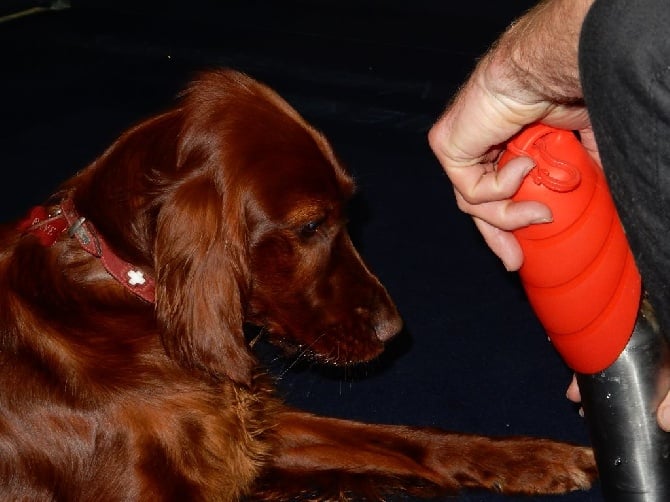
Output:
x,y
472,356
624,63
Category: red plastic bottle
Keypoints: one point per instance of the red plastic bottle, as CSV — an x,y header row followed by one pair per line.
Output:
x,y
581,279
578,271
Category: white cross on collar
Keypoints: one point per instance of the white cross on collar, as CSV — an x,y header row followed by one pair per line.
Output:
x,y
136,278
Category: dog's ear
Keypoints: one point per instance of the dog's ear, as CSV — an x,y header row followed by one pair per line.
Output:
x,y
201,275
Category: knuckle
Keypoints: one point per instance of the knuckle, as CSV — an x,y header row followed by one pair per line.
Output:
x,y
462,202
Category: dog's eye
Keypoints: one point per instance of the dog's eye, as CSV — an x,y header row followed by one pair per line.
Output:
x,y
311,228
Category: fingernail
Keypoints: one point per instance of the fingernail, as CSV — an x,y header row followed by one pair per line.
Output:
x,y
508,268
529,165
542,215
524,165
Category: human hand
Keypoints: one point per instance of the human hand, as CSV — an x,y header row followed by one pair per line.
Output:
x,y
529,75
662,414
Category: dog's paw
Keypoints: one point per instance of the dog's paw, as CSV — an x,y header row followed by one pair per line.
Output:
x,y
513,465
540,466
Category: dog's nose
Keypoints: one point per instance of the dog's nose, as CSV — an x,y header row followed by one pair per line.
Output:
x,y
388,325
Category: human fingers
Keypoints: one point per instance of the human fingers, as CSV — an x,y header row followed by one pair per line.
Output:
x,y
503,244
589,141
486,195
482,183
496,220
663,414
475,124
573,391
574,395
507,215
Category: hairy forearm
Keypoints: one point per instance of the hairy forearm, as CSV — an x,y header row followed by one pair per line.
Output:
x,y
540,49
530,74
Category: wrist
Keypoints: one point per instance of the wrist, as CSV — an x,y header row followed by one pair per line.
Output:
x,y
536,59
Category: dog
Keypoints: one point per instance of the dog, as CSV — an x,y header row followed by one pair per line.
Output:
x,y
126,373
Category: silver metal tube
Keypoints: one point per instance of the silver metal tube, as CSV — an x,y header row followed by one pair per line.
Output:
x,y
620,403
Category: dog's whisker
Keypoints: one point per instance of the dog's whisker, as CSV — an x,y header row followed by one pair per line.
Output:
x,y
263,331
302,354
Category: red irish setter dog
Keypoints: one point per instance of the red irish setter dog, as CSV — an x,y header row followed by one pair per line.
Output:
x,y
126,375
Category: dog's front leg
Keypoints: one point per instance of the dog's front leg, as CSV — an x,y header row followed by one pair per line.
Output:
x,y
324,458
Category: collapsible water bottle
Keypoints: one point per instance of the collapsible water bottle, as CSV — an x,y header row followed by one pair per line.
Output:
x,y
582,282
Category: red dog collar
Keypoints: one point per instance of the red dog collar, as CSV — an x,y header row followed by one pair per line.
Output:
x,y
47,227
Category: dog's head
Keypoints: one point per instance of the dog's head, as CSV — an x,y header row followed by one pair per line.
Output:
x,y
238,205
